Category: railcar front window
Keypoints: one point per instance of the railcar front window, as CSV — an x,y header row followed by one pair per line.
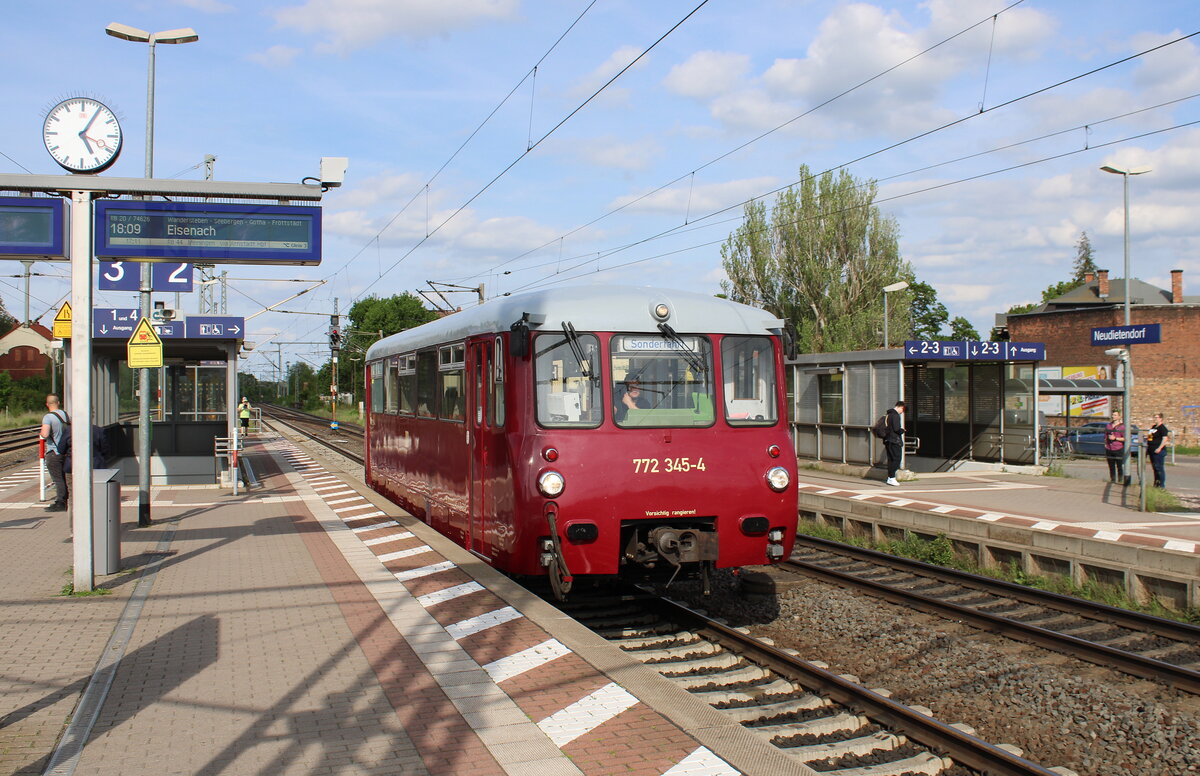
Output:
x,y
748,364
662,382
568,381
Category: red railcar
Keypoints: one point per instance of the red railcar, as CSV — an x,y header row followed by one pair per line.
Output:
x,y
590,431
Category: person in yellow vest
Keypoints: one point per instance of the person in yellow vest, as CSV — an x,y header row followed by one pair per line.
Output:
x,y
244,415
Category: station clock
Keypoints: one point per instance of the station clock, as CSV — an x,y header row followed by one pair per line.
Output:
x,y
82,134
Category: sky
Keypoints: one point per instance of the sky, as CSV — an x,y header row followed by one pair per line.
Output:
x,y
525,144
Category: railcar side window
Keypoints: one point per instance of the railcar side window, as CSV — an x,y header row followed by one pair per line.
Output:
x,y
376,386
748,364
427,383
391,381
496,389
568,381
662,382
451,382
408,383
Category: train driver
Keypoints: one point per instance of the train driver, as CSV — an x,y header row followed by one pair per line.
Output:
x,y
632,398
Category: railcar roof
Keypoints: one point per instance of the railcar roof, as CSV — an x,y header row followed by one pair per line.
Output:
x,y
588,308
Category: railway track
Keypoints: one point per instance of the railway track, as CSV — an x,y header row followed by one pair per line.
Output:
x,y
347,441
14,440
1142,645
828,722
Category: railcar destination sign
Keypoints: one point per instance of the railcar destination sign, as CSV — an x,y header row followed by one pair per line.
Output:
x,y
208,232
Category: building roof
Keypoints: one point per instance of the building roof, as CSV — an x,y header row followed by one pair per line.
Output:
x,y
1140,292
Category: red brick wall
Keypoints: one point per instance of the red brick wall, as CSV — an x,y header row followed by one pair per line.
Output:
x,y
24,361
1166,374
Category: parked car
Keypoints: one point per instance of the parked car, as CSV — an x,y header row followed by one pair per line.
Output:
x,y
1088,439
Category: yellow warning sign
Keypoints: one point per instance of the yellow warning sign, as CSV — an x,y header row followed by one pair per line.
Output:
x,y
144,349
62,322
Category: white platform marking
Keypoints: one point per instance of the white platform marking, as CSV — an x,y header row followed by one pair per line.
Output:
x,y
398,554
376,513
990,517
449,594
472,625
1046,525
424,571
383,539
1175,544
384,524
702,762
1111,536
526,660
586,714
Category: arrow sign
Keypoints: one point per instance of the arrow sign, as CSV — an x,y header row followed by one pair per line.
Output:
x,y
214,326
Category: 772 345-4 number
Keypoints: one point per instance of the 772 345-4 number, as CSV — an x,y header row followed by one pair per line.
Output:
x,y
667,465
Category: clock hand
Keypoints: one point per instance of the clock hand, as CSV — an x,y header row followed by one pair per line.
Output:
x,y
88,145
95,116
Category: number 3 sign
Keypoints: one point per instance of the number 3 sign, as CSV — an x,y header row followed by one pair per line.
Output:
x,y
126,276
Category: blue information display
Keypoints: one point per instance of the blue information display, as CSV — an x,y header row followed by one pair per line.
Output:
x,y
932,350
119,323
203,232
1127,335
214,327
126,276
32,226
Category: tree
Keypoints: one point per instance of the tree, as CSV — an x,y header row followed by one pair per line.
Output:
x,y
819,260
389,315
7,321
1084,262
961,329
928,314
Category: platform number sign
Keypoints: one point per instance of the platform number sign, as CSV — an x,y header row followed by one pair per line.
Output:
x,y
126,276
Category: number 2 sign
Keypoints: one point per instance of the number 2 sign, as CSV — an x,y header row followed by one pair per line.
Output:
x,y
126,276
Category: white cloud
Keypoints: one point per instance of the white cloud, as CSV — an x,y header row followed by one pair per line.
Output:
x,y
610,152
964,293
207,6
707,74
605,71
698,199
277,56
355,24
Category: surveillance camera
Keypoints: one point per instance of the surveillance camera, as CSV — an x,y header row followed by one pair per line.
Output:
x,y
1118,352
333,170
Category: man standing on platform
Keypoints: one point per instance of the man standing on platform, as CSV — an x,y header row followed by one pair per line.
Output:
x,y
894,443
55,428
244,416
1157,439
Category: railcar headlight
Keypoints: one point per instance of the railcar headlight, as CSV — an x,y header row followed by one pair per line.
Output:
x,y
551,483
776,535
778,478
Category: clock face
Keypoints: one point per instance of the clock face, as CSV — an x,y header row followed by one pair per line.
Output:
x,y
82,135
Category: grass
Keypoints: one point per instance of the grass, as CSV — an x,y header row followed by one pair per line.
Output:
x,y
1184,450
19,419
940,552
1055,469
1162,500
69,590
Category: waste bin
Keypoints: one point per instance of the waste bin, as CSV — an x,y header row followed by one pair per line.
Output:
x,y
106,521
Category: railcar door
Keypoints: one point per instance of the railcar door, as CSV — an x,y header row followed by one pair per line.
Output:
x,y
480,442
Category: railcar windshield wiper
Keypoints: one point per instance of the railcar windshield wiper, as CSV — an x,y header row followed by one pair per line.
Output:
x,y
585,364
693,359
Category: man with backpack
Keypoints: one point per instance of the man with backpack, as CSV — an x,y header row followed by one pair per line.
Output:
x,y
56,430
890,429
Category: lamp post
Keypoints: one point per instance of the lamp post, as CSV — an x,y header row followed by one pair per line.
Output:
x,y
184,35
1127,362
903,284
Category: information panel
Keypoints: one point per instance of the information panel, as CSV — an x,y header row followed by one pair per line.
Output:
x,y
201,232
970,350
127,276
32,226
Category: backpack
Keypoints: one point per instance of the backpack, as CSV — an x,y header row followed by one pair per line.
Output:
x,y
63,443
880,429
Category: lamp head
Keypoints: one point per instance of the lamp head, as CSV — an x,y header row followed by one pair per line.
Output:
x,y
1130,171
903,284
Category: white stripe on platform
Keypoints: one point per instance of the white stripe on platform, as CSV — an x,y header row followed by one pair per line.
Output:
x,y
424,571
398,554
471,625
376,513
863,496
991,517
341,510
1046,525
586,714
900,502
944,509
526,660
1110,536
384,539
1175,544
449,594
702,762
345,500
384,524
827,491
322,478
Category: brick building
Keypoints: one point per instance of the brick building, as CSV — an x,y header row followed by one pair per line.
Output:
x,y
1166,374
25,351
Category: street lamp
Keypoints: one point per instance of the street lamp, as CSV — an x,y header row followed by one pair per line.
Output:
x,y
1127,362
185,35
903,284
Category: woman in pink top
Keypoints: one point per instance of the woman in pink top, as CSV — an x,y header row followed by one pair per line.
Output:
x,y
1114,447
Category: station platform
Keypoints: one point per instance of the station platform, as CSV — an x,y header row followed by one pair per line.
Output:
x,y
310,626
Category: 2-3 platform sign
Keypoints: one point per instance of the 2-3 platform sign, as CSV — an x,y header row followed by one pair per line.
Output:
x,y
970,350
126,276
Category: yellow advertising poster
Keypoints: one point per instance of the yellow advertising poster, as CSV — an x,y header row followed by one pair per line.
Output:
x,y
1088,406
144,349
